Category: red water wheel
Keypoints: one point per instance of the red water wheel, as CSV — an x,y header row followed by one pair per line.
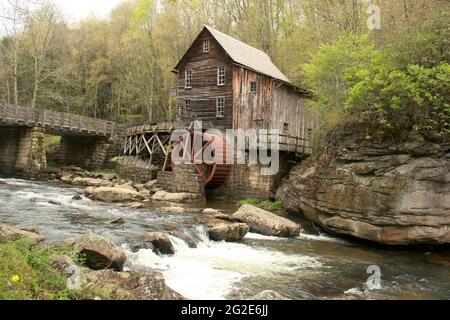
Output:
x,y
209,160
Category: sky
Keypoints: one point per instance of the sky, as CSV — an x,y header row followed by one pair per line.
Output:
x,y
78,9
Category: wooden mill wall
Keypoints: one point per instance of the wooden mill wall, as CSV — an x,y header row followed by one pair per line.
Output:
x,y
204,89
273,104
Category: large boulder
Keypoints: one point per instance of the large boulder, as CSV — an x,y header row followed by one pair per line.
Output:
x,y
174,197
265,222
113,194
113,285
8,233
228,231
99,252
157,241
128,285
391,193
79,181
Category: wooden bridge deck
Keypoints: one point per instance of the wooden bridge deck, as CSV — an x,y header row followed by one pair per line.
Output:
x,y
286,143
54,121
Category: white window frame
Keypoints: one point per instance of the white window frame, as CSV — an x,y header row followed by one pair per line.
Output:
x,y
220,107
188,81
256,86
188,104
206,46
221,72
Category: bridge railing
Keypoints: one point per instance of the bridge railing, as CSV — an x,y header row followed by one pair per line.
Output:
x,y
55,120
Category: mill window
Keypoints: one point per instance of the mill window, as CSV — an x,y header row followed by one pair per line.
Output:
x,y
220,107
253,86
187,104
206,46
188,79
221,76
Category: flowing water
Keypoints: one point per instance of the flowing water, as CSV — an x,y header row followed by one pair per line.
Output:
x,y
312,266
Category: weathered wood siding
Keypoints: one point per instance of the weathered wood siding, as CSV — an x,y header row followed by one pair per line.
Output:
x,y
204,89
272,105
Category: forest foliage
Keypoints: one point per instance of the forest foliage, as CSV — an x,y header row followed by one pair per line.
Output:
x,y
390,80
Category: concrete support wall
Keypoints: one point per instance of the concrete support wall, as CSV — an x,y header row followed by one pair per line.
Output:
x,y
84,152
22,152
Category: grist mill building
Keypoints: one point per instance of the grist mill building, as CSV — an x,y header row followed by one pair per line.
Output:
x,y
231,85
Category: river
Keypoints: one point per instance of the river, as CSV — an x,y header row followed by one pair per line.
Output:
x,y
312,266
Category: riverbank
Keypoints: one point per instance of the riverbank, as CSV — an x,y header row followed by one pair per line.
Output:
x,y
310,266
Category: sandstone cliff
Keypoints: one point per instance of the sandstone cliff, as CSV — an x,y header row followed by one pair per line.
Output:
x,y
392,193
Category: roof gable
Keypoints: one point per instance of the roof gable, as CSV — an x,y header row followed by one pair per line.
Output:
x,y
243,54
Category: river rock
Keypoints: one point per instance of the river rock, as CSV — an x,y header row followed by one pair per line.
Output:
x,y
133,205
173,209
145,194
126,186
268,295
91,182
8,233
229,232
151,184
118,221
114,194
114,285
190,240
395,193
211,211
136,243
161,242
100,253
67,178
265,222
108,176
156,241
77,198
174,197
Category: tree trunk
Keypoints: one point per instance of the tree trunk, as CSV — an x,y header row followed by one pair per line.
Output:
x,y
8,92
16,94
36,83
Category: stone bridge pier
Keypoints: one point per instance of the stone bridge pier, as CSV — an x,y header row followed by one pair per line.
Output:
x,y
22,152
85,152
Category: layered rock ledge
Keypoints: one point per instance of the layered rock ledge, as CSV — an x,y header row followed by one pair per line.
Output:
x,y
391,193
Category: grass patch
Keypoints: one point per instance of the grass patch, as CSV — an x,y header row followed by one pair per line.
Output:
x,y
107,171
263,204
28,274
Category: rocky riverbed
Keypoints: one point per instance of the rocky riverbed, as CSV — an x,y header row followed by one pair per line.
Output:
x,y
197,263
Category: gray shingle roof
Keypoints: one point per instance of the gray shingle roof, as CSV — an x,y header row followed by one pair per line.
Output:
x,y
248,56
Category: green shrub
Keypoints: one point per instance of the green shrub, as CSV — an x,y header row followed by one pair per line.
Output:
x,y
394,103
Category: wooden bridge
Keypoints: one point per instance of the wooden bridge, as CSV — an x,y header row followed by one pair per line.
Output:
x,y
54,121
84,141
